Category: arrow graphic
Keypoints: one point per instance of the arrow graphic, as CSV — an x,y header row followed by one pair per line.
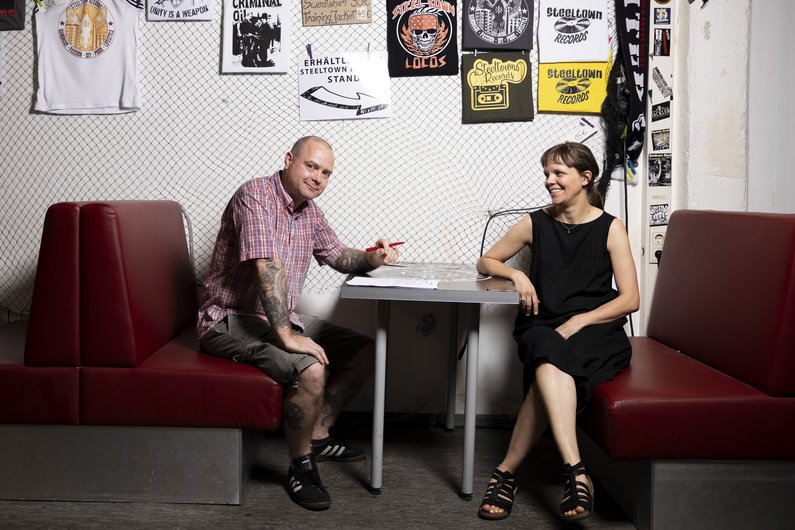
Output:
x,y
362,103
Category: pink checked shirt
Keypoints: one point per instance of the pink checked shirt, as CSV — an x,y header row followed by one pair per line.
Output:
x,y
259,222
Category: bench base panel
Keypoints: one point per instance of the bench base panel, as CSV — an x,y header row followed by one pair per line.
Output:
x,y
695,494
128,464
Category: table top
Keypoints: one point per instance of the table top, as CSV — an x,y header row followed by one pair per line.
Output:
x,y
458,282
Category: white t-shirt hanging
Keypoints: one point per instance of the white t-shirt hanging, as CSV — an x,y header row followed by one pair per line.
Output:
x,y
88,57
572,31
179,10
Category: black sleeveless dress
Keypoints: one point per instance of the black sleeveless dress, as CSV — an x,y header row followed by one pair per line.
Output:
x,y
572,274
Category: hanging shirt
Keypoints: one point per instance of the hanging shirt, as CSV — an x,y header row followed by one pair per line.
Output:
x,y
88,57
572,31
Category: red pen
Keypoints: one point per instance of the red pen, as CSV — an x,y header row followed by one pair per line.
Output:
x,y
373,249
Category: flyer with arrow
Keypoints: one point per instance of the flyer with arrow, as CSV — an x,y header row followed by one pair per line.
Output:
x,y
344,86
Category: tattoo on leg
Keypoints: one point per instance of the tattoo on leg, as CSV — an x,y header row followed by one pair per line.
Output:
x,y
293,416
333,403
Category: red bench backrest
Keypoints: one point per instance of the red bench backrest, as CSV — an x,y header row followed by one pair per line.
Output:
x,y
137,286
725,295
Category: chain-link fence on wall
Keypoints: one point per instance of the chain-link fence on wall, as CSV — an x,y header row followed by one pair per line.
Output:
x,y
419,176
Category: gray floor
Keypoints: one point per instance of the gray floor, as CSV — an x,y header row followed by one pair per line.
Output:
x,y
422,474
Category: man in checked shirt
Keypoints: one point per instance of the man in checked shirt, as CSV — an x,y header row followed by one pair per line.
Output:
x,y
269,232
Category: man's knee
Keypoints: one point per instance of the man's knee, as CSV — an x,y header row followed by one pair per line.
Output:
x,y
312,379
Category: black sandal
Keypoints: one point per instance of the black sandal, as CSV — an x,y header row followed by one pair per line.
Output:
x,y
576,492
500,493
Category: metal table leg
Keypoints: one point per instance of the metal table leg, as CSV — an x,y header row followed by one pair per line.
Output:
x,y
471,402
452,365
379,395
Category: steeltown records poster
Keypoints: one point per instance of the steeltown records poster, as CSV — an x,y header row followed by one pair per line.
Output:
x,y
496,87
421,38
572,31
256,36
498,24
179,10
578,88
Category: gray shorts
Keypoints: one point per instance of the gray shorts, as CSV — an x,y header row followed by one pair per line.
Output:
x,y
251,340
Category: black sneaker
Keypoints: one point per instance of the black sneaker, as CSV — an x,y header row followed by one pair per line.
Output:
x,y
331,449
304,485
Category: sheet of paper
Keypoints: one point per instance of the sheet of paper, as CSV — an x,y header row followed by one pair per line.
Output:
x,y
414,283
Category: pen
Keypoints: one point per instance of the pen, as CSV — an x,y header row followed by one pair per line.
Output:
x,y
373,249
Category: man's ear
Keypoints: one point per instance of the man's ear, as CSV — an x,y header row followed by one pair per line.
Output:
x,y
288,159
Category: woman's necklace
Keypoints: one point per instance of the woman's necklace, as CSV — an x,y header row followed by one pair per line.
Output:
x,y
570,227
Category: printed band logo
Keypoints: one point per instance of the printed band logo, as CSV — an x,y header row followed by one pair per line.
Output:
x,y
488,82
498,21
569,25
424,33
572,24
86,28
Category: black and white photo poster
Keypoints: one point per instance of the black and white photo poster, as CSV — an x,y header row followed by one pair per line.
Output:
x,y
498,25
256,36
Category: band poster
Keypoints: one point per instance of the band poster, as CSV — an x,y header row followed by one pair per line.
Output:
x,y
256,36
336,12
421,38
344,86
498,25
178,10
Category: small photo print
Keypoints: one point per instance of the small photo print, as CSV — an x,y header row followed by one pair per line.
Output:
x,y
662,15
661,111
658,214
660,169
661,139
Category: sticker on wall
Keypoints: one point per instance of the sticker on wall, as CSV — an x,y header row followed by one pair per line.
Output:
x,y
662,85
661,111
336,12
662,15
498,25
659,214
662,42
572,87
661,139
12,15
178,10
572,31
496,87
344,86
256,36
421,38
660,169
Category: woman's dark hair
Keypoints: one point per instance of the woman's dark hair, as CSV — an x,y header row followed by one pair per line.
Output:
x,y
580,158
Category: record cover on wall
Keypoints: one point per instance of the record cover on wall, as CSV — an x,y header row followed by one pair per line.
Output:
x,y
178,10
498,25
12,15
496,87
421,38
256,36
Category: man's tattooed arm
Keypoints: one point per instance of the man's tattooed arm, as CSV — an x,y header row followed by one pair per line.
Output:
x,y
353,260
273,294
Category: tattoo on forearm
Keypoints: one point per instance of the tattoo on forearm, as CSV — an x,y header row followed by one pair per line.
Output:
x,y
333,403
273,286
352,260
293,416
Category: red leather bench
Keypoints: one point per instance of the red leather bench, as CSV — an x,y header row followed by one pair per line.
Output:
x,y
111,342
699,431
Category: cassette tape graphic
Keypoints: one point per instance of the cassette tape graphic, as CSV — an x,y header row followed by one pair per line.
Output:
x,y
489,97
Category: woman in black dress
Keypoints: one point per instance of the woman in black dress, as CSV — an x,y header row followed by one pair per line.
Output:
x,y
570,326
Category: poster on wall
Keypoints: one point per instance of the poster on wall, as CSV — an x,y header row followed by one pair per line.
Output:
x,y
256,36
660,169
659,214
572,31
498,24
336,12
179,10
496,87
578,88
12,15
421,38
344,86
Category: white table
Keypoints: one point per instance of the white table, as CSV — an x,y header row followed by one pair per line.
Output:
x,y
458,284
